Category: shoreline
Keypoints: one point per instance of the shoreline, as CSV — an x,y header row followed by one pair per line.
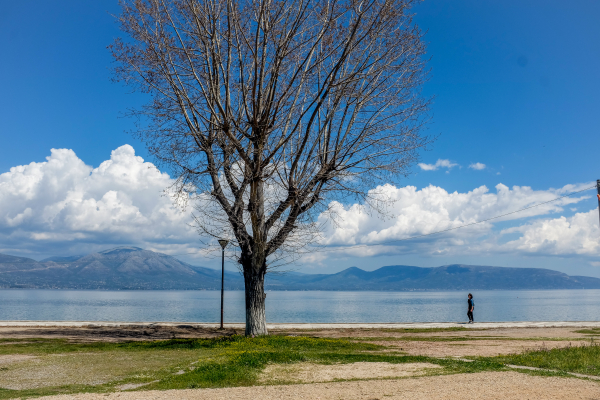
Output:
x,y
309,326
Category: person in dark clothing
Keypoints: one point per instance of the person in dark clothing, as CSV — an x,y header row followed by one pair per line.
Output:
x,y
471,304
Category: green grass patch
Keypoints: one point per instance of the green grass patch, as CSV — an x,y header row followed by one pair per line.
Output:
x,y
51,391
580,359
244,369
53,346
243,359
239,360
185,363
103,367
590,331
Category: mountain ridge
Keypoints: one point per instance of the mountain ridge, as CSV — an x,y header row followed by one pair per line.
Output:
x,y
118,268
128,268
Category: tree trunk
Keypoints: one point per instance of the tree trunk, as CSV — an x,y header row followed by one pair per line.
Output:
x,y
255,261
256,322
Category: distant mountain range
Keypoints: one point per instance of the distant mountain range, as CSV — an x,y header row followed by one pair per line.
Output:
x,y
125,268
448,277
119,268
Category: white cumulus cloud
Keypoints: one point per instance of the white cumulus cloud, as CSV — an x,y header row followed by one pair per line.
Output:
x,y
576,235
63,205
477,166
439,164
412,212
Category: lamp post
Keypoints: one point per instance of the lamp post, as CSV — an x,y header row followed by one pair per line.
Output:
x,y
223,244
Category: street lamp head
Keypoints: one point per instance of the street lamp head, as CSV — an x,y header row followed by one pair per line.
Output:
x,y
223,243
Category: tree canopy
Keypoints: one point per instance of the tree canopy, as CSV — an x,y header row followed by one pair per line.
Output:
x,y
267,110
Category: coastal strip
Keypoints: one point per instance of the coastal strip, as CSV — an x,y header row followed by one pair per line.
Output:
x,y
309,326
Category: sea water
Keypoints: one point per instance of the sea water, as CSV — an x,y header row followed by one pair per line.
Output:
x,y
299,306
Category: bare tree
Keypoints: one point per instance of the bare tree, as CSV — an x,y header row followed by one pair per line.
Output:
x,y
266,110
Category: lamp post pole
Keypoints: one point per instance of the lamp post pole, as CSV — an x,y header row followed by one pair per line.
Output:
x,y
223,244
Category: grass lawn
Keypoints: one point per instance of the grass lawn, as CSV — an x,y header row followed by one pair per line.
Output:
x,y
583,360
44,367
36,367
590,331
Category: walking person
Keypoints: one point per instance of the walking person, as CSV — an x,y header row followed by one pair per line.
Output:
x,y
471,304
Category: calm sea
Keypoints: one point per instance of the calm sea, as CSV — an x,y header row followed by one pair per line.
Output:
x,y
203,306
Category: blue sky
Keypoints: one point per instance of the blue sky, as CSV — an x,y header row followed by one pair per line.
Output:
x,y
516,89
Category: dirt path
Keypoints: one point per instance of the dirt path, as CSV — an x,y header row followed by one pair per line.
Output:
x,y
488,385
